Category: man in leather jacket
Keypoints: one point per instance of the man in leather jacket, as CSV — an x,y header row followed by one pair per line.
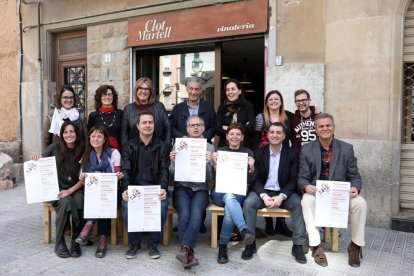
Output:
x,y
145,161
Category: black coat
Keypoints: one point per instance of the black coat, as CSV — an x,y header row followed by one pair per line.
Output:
x,y
160,163
129,128
245,116
180,114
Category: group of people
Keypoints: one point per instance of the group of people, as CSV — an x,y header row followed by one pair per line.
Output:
x,y
136,144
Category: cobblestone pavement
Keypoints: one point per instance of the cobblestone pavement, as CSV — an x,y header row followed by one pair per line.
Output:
x,y
22,252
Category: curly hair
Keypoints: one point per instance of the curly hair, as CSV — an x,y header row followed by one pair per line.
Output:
x,y
102,91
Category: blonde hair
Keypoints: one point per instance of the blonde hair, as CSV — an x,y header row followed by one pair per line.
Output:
x,y
148,82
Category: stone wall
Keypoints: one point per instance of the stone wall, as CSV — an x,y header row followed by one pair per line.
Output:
x,y
8,71
108,60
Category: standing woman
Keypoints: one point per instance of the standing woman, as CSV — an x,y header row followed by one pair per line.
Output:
x,y
107,114
69,203
235,109
99,157
145,100
273,111
232,203
65,110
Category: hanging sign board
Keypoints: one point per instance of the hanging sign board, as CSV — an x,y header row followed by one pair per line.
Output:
x,y
222,20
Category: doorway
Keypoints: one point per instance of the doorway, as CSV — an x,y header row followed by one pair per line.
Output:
x,y
169,67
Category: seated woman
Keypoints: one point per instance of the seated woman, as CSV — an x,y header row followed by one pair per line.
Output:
x,y
232,203
69,203
190,199
99,157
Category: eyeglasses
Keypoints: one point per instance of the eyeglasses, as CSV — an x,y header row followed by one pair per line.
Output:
x,y
144,89
195,125
109,95
301,101
67,98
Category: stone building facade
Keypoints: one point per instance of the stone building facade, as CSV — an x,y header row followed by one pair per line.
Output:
x,y
348,54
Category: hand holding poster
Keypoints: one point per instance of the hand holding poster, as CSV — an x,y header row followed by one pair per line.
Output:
x,y
231,172
332,203
100,195
41,181
144,208
190,160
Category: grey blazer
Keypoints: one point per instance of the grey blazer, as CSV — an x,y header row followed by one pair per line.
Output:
x,y
343,165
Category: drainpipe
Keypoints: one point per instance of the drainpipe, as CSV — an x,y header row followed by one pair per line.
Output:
x,y
20,133
40,72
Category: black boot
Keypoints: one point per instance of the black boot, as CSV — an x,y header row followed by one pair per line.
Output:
x,y
61,249
281,228
269,230
222,254
75,250
248,251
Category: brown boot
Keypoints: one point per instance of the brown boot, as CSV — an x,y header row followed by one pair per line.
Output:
x,y
82,239
319,256
102,244
354,254
182,256
192,260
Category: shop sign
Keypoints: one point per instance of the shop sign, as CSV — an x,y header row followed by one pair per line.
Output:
x,y
222,20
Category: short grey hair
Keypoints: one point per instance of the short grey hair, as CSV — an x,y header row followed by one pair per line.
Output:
x,y
324,115
195,79
194,117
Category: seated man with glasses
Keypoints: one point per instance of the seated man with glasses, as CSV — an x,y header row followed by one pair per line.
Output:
x,y
302,125
191,199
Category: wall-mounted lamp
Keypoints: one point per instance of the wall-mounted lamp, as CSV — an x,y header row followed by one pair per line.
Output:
x,y
197,65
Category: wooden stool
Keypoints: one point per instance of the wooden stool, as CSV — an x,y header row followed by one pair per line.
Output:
x,y
47,226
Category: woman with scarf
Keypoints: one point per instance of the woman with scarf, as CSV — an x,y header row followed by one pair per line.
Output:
x,y
69,203
107,114
235,109
64,111
99,157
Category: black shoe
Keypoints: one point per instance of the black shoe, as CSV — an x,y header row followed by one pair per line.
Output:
x,y
61,249
153,252
248,251
282,229
75,250
133,251
269,230
203,229
222,257
297,252
247,236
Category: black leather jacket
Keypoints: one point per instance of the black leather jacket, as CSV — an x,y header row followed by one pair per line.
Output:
x,y
160,163
129,130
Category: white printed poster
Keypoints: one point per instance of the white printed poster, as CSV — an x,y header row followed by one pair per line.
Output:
x,y
190,160
41,181
100,195
144,208
231,172
332,204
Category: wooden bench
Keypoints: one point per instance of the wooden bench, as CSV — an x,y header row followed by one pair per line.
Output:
x,y
47,226
219,211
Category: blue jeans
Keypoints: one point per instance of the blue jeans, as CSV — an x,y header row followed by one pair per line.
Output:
x,y
154,238
190,206
233,213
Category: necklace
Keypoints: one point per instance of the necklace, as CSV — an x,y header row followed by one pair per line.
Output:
x,y
113,120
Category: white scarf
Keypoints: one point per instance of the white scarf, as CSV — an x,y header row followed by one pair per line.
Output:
x,y
58,116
